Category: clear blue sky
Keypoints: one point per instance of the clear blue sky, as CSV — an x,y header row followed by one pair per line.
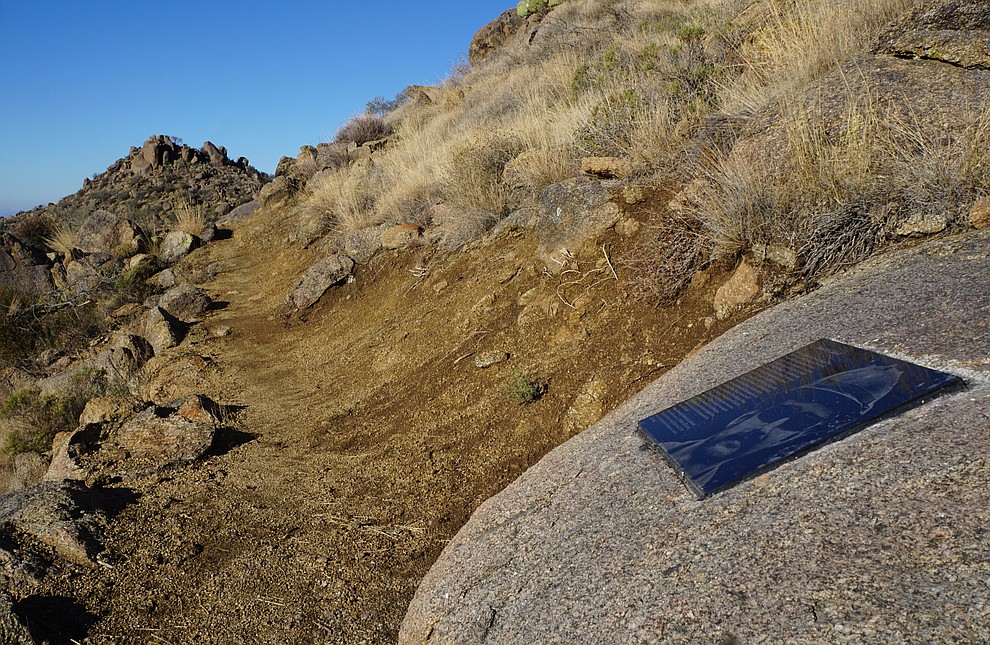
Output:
x,y
82,81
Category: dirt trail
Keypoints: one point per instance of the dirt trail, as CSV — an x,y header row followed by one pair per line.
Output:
x,y
367,434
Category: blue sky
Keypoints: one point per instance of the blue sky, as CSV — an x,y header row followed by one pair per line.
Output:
x,y
81,82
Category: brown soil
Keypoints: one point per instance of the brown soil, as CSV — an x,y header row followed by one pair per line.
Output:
x,y
367,435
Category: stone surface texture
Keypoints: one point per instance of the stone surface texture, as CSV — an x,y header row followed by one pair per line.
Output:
x,y
880,537
320,277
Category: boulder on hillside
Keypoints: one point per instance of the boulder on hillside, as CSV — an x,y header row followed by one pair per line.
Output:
x,y
278,192
951,31
186,303
164,435
23,267
493,35
104,232
607,167
573,211
399,237
320,277
217,156
177,245
241,212
162,330
124,356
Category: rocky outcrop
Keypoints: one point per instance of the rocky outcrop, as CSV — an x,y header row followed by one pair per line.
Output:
x,y
23,267
162,330
949,31
320,277
104,232
399,237
177,245
493,35
573,211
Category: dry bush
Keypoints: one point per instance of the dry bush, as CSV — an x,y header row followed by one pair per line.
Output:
x,y
800,41
362,129
473,188
188,218
342,201
845,185
663,263
34,419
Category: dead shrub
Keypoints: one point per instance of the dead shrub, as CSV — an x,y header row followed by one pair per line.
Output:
x,y
37,418
663,263
362,129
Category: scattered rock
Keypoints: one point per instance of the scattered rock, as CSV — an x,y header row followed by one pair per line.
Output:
x,y
399,237
65,382
174,375
176,246
362,245
106,409
979,215
320,277
125,355
162,330
607,167
56,515
633,195
486,360
741,288
24,267
278,192
573,211
163,279
221,331
918,225
186,303
588,406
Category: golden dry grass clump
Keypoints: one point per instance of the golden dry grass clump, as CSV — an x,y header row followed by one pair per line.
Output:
x,y
676,87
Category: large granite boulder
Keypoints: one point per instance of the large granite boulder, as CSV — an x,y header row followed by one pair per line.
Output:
x,y
880,537
24,267
186,303
493,35
573,211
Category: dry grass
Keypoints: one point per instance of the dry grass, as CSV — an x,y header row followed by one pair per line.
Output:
x,y
188,218
61,238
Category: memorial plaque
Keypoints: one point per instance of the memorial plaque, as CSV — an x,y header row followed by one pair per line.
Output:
x,y
819,393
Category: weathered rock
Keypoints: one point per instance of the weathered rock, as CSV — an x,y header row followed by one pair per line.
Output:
x,y
64,383
783,256
162,330
124,356
741,288
588,406
487,359
58,515
979,215
493,35
217,156
174,375
951,31
607,167
24,267
186,303
163,279
105,232
64,464
320,277
278,192
918,225
399,237
163,436
362,245
573,211
243,211
176,246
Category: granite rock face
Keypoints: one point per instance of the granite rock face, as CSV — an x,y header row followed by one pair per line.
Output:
x,y
951,31
879,537
320,277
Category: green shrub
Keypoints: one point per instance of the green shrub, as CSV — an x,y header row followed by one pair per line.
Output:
x,y
42,417
523,389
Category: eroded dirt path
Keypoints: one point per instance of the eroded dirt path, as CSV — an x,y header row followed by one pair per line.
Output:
x,y
367,434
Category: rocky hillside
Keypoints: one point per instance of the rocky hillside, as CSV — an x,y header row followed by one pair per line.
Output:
x,y
264,423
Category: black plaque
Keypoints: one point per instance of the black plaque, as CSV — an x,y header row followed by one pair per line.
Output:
x,y
819,393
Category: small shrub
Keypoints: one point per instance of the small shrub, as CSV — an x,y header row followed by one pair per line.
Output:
x,y
524,390
663,264
42,417
131,285
362,129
